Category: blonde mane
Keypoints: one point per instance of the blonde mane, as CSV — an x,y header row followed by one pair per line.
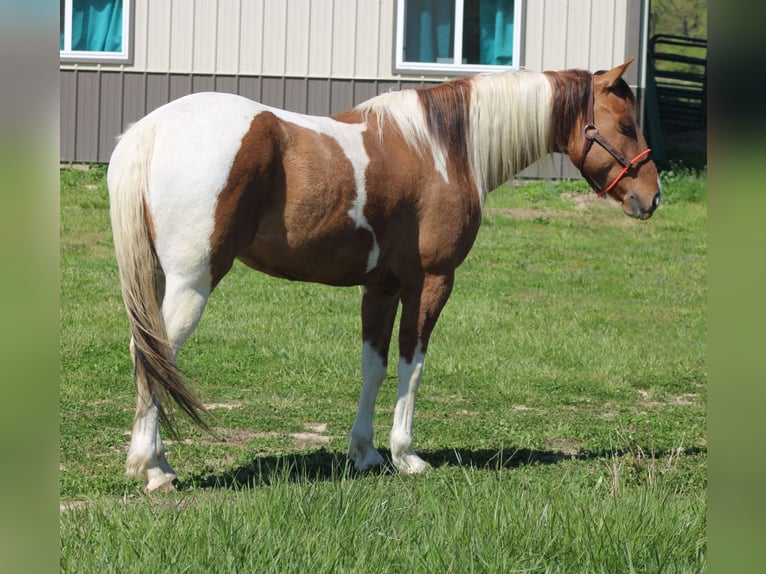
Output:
x,y
510,125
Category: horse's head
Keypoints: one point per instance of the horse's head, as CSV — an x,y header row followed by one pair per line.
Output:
x,y
610,149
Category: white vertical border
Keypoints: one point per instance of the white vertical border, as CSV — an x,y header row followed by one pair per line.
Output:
x,y
457,47
67,25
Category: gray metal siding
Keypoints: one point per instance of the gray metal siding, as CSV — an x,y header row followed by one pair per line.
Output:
x,y
86,121
67,115
318,96
110,112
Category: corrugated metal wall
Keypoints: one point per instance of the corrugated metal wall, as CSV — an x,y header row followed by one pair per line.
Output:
x,y
316,38
587,34
309,56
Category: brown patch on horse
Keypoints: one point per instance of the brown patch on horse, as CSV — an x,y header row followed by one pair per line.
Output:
x,y
285,208
254,171
429,225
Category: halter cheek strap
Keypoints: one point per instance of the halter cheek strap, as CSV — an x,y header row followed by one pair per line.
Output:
x,y
592,135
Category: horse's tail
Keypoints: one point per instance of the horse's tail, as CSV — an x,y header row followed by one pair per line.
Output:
x,y
142,278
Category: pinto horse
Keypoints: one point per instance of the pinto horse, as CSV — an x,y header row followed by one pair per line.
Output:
x,y
387,195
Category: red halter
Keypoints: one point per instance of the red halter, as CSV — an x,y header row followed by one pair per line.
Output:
x,y
591,134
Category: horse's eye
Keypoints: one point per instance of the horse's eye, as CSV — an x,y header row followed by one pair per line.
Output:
x,y
628,130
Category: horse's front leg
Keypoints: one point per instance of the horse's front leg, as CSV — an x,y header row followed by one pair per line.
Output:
x,y
421,305
378,314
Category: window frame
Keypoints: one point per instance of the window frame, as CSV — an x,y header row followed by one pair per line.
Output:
x,y
402,66
125,56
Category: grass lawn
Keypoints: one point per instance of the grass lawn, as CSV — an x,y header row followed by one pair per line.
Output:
x,y
562,406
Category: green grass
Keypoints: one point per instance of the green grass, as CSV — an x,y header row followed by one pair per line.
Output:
x,y
562,407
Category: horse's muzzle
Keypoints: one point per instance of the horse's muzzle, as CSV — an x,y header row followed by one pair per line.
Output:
x,y
634,207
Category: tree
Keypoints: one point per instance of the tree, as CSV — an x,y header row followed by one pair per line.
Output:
x,y
679,17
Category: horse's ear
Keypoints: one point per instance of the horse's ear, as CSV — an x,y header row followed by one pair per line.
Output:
x,y
609,79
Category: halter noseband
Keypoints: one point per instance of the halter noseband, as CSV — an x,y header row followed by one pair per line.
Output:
x,y
591,134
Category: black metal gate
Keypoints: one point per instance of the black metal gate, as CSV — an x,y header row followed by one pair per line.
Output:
x,y
676,101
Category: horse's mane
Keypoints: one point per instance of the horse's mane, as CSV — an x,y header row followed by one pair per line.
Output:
x,y
510,124
498,123
570,88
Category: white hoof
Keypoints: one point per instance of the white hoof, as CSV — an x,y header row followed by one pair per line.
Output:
x,y
159,481
410,463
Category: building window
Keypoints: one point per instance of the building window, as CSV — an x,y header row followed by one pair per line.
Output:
x,y
94,31
457,36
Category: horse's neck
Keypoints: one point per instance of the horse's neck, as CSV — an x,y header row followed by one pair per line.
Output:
x,y
570,89
510,125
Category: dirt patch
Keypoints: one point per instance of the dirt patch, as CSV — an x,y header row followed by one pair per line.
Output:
x,y
309,439
583,201
316,427
227,406
71,505
566,447
77,166
522,213
683,400
237,437
312,438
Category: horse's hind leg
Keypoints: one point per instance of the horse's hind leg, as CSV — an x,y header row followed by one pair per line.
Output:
x,y
378,314
182,307
146,458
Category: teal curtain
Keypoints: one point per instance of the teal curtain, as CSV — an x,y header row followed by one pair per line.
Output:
x,y
496,23
429,29
97,25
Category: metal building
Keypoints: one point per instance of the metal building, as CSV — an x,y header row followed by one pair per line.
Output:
x,y
120,59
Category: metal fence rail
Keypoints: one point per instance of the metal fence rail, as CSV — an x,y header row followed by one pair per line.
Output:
x,y
679,67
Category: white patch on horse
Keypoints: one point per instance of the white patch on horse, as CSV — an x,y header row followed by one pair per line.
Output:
x,y
350,140
403,455
361,449
658,197
177,181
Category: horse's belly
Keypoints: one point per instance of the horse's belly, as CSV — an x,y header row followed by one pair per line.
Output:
x,y
343,259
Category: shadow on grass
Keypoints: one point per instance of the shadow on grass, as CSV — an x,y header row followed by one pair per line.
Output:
x,y
323,465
